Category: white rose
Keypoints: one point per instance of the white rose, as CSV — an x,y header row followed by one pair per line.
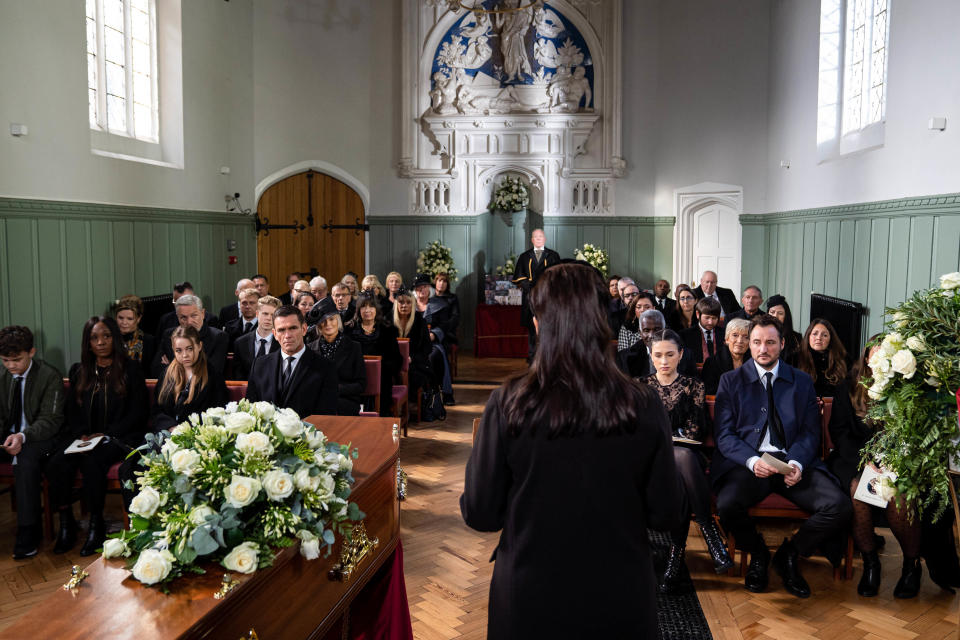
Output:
x,y
231,407
114,548
239,422
304,481
169,448
904,363
146,502
950,280
314,437
899,320
289,423
265,409
278,484
326,484
254,442
309,544
345,463
879,363
330,459
241,491
886,349
215,412
198,515
183,427
242,558
916,343
153,566
185,461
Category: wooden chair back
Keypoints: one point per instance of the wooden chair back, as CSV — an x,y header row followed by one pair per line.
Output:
x,y
373,365
404,345
476,427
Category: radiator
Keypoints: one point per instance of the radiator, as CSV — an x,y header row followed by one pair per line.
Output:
x,y
846,317
153,308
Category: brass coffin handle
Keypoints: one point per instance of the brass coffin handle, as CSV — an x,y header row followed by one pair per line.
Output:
x,y
352,553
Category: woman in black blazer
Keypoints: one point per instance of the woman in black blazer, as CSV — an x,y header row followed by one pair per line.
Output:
x,y
443,310
140,345
569,442
734,351
344,353
189,384
107,397
823,357
376,337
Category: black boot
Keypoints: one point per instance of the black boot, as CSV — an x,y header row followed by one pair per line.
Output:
x,y
671,575
68,532
757,577
718,550
870,580
95,536
908,586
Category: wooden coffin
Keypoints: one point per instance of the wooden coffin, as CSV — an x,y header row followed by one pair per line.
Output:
x,y
295,598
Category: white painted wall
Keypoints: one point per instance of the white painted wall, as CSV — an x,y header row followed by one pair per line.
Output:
x,y
923,81
43,85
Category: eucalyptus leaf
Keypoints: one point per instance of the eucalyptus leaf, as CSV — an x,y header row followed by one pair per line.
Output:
x,y
328,536
203,542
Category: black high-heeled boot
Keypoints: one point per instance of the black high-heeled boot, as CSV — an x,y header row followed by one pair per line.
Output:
x,y
671,575
718,549
908,586
95,536
870,580
67,537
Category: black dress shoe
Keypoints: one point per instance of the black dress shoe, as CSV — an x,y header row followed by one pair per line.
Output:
x,y
67,537
670,583
26,544
908,586
870,580
95,536
757,577
787,563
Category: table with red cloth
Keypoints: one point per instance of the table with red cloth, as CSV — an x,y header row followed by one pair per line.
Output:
x,y
499,333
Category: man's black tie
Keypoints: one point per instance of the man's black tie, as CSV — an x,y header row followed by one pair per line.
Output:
x,y
262,349
710,344
247,326
16,407
777,437
286,375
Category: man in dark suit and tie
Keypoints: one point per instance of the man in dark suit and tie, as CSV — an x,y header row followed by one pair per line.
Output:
x,y
708,289
294,376
664,303
256,343
767,407
703,339
232,310
636,361
169,320
530,264
752,297
189,310
247,321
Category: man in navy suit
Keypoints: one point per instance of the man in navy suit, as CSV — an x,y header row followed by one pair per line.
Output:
x,y
767,406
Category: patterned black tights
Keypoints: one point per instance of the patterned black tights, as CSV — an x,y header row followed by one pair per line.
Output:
x,y
907,533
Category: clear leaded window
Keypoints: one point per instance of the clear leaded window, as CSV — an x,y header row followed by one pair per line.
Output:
x,y
122,67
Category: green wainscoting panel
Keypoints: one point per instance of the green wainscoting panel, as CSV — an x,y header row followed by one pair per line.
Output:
x,y
875,253
639,247
62,262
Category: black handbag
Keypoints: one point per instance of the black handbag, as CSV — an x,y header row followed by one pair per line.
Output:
x,y
432,406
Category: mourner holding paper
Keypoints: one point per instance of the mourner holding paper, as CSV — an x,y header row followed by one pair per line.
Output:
x,y
683,398
768,408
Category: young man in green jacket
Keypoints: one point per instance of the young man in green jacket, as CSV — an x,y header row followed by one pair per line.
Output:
x,y
31,416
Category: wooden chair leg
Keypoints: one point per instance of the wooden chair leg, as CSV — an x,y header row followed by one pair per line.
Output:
x,y
47,509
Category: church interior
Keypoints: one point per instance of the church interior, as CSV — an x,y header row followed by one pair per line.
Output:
x,y
801,148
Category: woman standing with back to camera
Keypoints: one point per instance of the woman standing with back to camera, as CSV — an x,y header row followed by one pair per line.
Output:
x,y
572,461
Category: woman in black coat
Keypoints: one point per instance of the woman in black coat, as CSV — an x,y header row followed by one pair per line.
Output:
x,y
566,445
344,353
443,310
140,345
376,337
107,397
734,351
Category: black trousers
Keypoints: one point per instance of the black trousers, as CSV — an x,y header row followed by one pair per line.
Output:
x,y
817,493
93,466
695,490
27,476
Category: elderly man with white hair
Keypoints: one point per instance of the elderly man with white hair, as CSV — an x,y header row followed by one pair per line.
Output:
x,y
189,310
708,289
318,287
232,311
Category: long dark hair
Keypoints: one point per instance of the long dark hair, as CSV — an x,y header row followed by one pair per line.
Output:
x,y
836,368
572,384
175,378
116,372
368,298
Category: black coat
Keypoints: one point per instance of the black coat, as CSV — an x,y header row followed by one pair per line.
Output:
x,y
742,314
849,434
635,362
667,308
693,342
526,274
215,345
312,391
383,344
234,329
351,374
124,417
149,350
171,412
421,373
728,299
716,366
245,350
228,313
169,321
443,312
532,486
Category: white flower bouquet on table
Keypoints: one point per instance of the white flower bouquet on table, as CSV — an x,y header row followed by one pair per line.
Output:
x,y
594,256
230,486
915,376
436,258
510,195
506,270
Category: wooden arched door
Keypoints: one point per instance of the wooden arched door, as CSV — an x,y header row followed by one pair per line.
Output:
x,y
313,249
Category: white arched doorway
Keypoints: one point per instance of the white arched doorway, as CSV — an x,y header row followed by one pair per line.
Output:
x,y
708,235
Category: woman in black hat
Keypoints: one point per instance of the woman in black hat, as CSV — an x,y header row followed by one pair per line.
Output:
x,y
777,307
343,352
438,335
377,337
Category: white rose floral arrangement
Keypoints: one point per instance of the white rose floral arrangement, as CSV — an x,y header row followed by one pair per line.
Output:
x,y
594,256
230,486
436,258
507,268
511,195
915,374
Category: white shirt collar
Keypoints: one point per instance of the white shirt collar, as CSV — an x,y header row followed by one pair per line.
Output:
x,y
296,356
26,373
762,372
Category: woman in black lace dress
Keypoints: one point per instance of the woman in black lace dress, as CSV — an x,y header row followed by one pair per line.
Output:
x,y
683,397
